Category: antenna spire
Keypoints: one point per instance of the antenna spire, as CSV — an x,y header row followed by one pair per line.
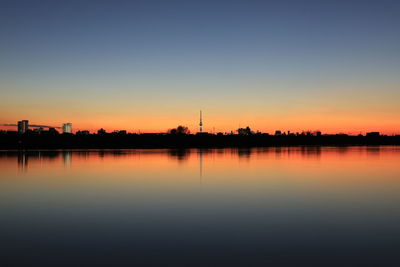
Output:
x,y
201,123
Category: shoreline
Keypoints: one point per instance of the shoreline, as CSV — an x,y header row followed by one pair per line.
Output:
x,y
162,141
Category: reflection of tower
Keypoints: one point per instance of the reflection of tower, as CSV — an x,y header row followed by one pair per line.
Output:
x,y
201,123
201,164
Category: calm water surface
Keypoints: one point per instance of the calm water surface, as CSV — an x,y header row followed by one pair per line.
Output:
x,y
220,207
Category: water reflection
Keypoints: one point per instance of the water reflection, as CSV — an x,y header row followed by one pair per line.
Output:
x,y
201,164
67,157
22,162
283,206
179,154
24,157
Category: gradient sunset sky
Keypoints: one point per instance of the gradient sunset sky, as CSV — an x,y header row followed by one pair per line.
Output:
x,y
294,65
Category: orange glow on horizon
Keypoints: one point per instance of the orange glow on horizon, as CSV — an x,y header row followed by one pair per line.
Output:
x,y
226,125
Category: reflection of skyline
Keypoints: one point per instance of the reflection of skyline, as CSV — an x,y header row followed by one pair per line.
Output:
x,y
24,157
67,158
296,154
179,154
22,162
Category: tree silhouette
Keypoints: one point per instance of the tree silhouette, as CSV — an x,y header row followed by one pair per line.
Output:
x,y
245,131
179,130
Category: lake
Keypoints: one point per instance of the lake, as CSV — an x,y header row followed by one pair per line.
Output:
x,y
285,206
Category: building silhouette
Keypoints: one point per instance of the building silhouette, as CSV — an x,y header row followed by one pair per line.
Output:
x,y
67,128
373,134
23,126
83,132
52,130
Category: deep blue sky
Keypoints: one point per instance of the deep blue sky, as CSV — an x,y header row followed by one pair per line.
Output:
x,y
150,60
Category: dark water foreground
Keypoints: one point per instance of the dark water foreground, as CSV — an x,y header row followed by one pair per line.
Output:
x,y
299,206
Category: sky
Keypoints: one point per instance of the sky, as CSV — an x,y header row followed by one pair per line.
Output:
x,y
148,66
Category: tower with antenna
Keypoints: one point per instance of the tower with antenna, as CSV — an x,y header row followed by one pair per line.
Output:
x,y
201,123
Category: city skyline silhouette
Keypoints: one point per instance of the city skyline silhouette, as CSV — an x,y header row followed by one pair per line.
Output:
x,y
201,133
149,66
